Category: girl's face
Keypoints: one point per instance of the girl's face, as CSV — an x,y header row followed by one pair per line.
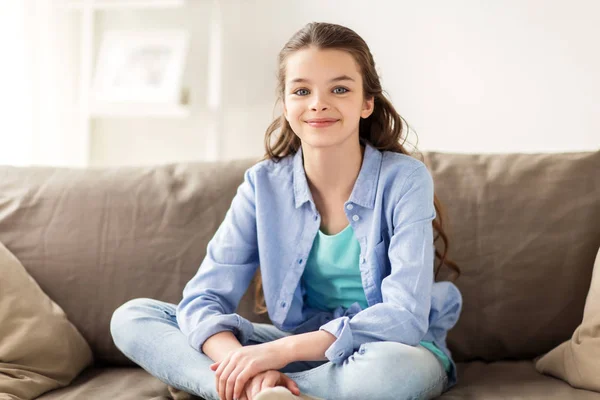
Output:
x,y
323,99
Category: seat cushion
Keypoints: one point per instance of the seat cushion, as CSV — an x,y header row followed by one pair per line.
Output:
x,y
120,383
477,380
511,380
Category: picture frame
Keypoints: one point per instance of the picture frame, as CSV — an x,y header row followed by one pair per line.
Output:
x,y
140,67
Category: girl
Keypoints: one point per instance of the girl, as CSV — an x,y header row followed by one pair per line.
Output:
x,y
340,219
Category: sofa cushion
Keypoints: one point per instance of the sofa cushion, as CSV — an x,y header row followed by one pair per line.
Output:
x,y
113,384
524,230
514,380
495,381
95,238
577,360
40,349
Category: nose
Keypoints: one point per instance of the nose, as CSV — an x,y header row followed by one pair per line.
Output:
x,y
318,103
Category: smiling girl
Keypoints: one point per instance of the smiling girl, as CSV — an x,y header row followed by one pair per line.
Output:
x,y
340,218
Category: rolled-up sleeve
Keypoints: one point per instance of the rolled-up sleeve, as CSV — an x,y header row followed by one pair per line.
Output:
x,y
213,294
403,314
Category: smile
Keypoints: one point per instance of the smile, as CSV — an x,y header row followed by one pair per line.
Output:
x,y
321,124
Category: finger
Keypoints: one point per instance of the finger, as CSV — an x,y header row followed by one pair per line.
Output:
x,y
231,382
218,373
248,391
256,385
269,381
240,382
290,384
224,378
222,365
247,395
215,366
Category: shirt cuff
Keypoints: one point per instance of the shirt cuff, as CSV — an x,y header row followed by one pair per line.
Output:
x,y
343,346
239,326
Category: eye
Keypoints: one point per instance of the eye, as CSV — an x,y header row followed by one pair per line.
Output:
x,y
301,92
340,90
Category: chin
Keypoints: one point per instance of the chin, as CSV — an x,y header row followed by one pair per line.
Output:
x,y
323,139
321,142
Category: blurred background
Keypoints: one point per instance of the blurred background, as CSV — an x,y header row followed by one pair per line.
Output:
x,y
92,83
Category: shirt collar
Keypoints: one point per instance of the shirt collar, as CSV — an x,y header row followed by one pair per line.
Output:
x,y
365,186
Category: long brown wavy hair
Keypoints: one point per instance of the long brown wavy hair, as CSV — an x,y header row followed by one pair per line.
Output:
x,y
383,129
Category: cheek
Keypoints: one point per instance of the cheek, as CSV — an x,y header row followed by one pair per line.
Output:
x,y
293,111
358,110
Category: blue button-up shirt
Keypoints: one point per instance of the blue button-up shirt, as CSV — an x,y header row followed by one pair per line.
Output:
x,y
273,221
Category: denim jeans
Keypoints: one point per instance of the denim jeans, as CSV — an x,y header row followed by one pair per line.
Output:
x,y
146,331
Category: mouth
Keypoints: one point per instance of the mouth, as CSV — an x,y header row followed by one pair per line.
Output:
x,y
321,122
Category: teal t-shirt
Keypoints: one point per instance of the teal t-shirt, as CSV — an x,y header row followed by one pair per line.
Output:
x,y
332,277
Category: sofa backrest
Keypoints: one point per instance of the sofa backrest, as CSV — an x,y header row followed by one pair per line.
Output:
x,y
96,238
524,229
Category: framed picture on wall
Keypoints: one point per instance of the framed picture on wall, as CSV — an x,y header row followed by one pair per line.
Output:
x,y
140,67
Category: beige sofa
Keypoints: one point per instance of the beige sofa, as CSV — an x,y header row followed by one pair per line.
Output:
x,y
524,228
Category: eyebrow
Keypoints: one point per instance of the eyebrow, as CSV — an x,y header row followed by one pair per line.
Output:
x,y
339,78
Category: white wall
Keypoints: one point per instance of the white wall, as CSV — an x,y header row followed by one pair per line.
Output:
x,y
468,76
38,81
15,100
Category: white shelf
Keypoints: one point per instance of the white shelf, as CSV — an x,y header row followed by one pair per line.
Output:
x,y
124,110
90,109
124,4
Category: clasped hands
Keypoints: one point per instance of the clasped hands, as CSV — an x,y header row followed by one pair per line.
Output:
x,y
246,371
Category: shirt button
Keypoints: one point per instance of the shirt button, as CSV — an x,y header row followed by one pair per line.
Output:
x,y
316,217
340,354
363,260
283,303
300,261
349,206
355,217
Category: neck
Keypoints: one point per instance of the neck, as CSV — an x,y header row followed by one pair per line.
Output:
x,y
332,171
